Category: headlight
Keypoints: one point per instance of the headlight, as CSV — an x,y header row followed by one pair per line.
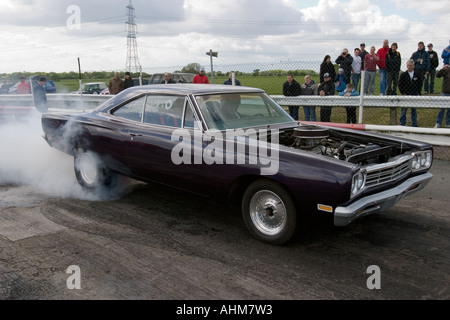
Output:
x,y
358,182
421,160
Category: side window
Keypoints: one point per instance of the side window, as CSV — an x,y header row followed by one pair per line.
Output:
x,y
164,110
133,110
189,119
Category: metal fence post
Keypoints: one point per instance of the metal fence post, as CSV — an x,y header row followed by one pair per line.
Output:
x,y
361,97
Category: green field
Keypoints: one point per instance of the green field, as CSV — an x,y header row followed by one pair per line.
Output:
x,y
273,86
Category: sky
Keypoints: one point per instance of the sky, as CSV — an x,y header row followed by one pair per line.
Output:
x,y
51,35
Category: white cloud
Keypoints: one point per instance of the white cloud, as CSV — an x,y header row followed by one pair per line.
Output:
x,y
34,35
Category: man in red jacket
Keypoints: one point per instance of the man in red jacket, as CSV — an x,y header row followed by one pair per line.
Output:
x,y
382,67
201,77
24,86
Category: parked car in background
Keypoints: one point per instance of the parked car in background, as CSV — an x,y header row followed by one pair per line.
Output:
x,y
237,146
49,87
92,88
5,87
178,77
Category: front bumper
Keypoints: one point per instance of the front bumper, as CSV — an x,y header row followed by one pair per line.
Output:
x,y
380,201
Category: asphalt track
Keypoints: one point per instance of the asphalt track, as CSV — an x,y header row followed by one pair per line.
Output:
x,y
154,243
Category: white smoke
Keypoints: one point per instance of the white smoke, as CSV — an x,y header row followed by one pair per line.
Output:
x,y
27,159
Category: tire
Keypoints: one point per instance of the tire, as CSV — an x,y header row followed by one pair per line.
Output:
x,y
91,172
269,212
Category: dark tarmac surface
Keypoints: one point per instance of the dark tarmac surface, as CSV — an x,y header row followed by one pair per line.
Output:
x,y
155,243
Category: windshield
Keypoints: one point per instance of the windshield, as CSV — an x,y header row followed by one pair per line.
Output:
x,y
240,110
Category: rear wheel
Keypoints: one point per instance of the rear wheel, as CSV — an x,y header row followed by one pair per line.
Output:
x,y
269,212
90,170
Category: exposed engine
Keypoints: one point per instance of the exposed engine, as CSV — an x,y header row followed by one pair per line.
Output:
x,y
328,142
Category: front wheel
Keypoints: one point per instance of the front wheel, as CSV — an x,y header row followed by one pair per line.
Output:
x,y
90,171
269,212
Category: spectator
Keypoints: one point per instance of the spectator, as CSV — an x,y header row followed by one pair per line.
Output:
x,y
327,67
340,80
421,60
39,95
382,66
409,84
24,86
345,61
127,81
309,88
201,77
356,68
434,63
167,78
393,63
445,91
326,88
115,84
370,71
291,88
230,80
446,54
350,91
362,53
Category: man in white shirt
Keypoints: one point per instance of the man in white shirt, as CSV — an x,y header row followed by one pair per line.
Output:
x,y
356,68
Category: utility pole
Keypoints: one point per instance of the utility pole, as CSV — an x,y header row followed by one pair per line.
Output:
x,y
212,54
132,64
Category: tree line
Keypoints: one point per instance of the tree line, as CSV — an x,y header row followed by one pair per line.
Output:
x,y
190,68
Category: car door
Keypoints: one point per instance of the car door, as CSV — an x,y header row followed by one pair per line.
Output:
x,y
151,144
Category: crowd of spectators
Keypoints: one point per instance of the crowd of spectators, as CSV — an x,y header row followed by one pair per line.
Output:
x,y
386,64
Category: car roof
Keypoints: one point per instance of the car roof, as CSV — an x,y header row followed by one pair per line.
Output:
x,y
189,88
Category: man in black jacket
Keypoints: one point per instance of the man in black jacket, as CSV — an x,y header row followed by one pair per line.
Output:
x,y
434,63
291,88
410,84
40,96
127,81
326,89
393,61
345,62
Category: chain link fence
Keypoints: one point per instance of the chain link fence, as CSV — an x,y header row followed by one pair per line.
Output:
x,y
271,77
378,101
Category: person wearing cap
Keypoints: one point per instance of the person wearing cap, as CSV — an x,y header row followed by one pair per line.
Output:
x,y
39,95
326,88
434,63
444,73
24,86
421,60
201,77
362,53
127,81
341,80
446,54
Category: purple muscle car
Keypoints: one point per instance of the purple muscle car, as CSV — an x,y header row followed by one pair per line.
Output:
x,y
237,146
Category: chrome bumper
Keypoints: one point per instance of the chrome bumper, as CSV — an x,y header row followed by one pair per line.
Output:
x,y
379,201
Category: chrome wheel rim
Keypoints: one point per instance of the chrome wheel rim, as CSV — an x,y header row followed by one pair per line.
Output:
x,y
268,212
87,165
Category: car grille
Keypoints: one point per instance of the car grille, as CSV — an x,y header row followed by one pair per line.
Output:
x,y
388,172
